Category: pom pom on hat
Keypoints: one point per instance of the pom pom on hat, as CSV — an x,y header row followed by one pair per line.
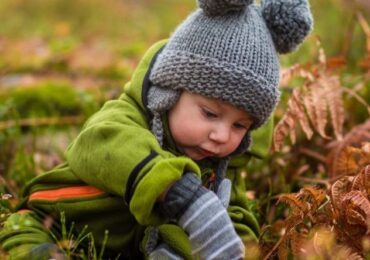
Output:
x,y
221,7
289,22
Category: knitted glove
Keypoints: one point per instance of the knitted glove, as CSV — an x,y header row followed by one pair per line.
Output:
x,y
164,252
224,192
202,215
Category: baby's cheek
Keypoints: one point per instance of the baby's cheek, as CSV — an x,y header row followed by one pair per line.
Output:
x,y
185,130
234,143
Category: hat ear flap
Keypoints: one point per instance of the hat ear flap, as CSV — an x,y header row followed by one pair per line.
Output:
x,y
161,99
289,22
221,7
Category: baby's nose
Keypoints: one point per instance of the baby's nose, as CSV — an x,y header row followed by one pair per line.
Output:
x,y
220,134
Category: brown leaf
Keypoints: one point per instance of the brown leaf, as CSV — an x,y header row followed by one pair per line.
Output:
x,y
319,97
299,110
287,125
297,242
362,181
333,95
347,163
335,62
317,195
338,189
283,249
355,210
292,200
287,74
315,104
355,137
366,179
365,155
358,183
291,124
282,129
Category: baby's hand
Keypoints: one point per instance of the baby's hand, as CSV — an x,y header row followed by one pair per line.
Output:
x,y
203,216
163,251
224,192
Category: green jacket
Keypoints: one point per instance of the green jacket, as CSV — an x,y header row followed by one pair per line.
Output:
x,y
114,172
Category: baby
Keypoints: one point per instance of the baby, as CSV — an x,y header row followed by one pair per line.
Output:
x,y
160,167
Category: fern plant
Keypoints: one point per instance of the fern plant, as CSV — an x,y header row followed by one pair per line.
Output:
x,y
341,213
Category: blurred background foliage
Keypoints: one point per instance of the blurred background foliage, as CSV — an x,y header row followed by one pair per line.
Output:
x,y
60,60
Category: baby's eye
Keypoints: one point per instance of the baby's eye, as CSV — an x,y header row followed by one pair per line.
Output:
x,y
209,114
240,126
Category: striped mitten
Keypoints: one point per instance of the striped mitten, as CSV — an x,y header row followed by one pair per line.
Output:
x,y
202,215
164,252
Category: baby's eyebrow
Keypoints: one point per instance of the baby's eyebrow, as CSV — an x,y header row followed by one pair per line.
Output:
x,y
247,120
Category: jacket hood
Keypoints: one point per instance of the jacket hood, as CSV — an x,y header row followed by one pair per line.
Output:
x,y
139,85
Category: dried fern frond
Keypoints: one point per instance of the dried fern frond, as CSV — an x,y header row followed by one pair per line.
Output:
x,y
315,104
338,189
294,202
287,74
283,248
299,109
345,217
348,161
297,242
366,179
312,104
362,181
285,127
355,137
366,28
334,100
355,214
365,154
317,196
295,113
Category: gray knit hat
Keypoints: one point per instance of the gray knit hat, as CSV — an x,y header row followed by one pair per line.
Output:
x,y
228,50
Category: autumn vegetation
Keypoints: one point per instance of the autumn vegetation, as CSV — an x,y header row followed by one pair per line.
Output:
x,y
59,62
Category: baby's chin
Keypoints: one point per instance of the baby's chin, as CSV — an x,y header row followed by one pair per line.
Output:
x,y
195,157
192,153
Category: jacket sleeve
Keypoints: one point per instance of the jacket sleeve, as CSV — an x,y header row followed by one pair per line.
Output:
x,y
117,153
245,222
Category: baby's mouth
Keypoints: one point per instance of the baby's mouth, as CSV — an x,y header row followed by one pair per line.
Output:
x,y
206,152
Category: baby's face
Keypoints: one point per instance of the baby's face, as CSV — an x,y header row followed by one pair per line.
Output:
x,y
205,127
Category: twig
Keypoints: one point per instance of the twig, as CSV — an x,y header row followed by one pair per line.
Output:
x,y
359,99
337,177
276,246
365,28
312,154
66,120
348,36
314,180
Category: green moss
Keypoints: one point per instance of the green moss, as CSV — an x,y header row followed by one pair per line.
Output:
x,y
50,99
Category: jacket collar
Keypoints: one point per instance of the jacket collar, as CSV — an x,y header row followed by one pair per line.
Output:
x,y
146,82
